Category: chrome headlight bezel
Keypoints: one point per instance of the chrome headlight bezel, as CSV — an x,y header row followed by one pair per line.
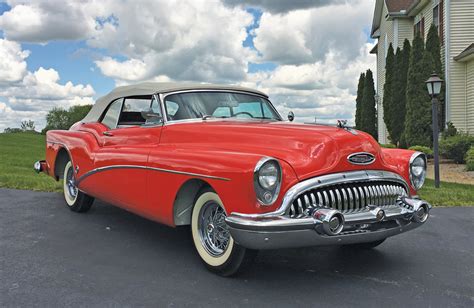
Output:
x,y
267,195
417,181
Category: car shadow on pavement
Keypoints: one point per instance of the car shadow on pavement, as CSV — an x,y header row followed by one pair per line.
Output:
x,y
170,243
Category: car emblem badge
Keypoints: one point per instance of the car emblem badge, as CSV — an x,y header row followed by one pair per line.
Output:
x,y
361,158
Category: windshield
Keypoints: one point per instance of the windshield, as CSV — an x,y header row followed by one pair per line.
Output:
x,y
185,106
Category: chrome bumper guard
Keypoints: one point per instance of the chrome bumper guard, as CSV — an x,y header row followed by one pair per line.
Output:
x,y
323,226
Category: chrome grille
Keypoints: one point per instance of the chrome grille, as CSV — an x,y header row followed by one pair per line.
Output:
x,y
348,198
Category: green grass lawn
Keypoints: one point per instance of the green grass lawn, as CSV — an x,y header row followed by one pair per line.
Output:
x,y
18,152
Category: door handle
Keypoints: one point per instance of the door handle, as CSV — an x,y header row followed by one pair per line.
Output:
x,y
107,134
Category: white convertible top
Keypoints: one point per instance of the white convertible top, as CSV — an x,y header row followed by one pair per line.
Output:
x,y
149,88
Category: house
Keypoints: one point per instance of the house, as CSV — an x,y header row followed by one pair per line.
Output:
x,y
397,20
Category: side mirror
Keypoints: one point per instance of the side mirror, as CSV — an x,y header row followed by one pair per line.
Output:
x,y
291,116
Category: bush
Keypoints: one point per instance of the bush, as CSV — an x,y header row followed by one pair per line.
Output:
x,y
470,159
420,148
450,130
456,147
388,145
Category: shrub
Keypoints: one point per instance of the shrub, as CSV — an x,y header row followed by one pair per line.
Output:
x,y
388,145
470,159
450,130
420,148
456,147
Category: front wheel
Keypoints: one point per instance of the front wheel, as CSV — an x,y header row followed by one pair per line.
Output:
x,y
212,239
76,200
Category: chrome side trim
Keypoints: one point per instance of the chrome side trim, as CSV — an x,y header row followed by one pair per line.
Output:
x,y
330,179
94,171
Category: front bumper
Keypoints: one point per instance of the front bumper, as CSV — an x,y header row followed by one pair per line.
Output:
x,y
327,226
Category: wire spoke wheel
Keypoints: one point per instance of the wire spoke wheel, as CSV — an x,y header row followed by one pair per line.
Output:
x,y
213,230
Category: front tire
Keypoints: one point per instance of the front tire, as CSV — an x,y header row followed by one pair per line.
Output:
x,y
213,242
76,200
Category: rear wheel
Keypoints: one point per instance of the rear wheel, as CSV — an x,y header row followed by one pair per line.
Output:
x,y
212,239
76,200
368,245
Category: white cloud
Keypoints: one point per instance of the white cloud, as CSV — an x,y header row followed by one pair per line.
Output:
x,y
324,89
319,48
12,62
45,20
306,36
184,40
282,6
30,95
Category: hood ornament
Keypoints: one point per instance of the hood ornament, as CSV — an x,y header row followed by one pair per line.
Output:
x,y
361,158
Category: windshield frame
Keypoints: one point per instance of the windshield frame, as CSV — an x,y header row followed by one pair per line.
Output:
x,y
163,97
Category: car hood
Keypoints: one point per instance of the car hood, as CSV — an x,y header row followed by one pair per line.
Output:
x,y
310,149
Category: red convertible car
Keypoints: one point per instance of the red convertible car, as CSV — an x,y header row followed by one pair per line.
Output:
x,y
222,160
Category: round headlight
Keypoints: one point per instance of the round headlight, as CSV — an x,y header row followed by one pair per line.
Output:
x,y
268,175
418,170
267,180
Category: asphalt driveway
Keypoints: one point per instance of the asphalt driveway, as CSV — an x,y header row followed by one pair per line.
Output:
x,y
50,256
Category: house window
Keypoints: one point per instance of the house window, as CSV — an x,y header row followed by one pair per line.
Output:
x,y
436,17
419,28
385,45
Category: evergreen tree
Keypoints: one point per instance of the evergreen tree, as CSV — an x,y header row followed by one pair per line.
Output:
x,y
433,48
388,91
360,93
402,58
418,106
368,111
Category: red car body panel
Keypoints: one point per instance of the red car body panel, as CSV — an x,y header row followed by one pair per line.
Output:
x,y
157,161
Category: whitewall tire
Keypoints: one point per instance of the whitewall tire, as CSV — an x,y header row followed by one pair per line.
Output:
x,y
212,240
76,200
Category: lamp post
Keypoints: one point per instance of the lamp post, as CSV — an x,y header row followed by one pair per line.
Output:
x,y
434,88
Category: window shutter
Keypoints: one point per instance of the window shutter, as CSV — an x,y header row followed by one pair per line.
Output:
x,y
441,22
423,28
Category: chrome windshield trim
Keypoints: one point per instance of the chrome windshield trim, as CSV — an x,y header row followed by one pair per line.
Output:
x,y
100,169
163,97
330,179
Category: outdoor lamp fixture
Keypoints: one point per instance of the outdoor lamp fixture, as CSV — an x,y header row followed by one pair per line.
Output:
x,y
434,88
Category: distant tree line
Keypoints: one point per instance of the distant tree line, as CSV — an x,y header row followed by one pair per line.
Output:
x,y
406,103
57,118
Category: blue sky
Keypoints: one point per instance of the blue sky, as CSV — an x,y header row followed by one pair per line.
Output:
x,y
306,57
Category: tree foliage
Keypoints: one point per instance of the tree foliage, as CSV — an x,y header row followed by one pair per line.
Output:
x,y
27,126
388,107
59,118
399,86
418,105
368,111
433,48
360,93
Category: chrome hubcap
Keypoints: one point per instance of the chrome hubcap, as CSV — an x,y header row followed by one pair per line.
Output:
x,y
212,229
71,186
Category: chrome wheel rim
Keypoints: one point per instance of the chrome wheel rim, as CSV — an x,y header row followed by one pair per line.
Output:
x,y
213,230
71,185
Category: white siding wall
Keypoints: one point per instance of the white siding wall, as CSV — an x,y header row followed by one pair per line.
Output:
x,y
470,96
386,31
405,30
461,35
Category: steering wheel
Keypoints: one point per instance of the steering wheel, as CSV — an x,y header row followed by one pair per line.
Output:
x,y
244,112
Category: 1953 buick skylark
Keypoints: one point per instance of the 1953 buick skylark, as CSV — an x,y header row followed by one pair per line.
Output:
x,y
222,160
